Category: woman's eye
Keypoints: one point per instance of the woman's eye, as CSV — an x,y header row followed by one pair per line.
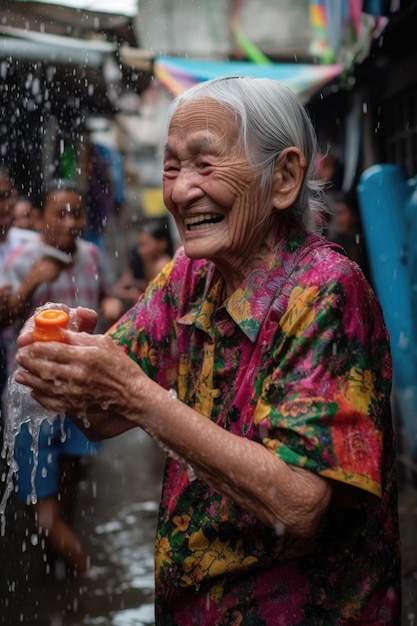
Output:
x,y
171,168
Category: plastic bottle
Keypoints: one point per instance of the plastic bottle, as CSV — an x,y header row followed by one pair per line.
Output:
x,y
49,326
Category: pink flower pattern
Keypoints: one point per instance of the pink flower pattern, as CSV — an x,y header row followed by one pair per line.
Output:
x,y
297,359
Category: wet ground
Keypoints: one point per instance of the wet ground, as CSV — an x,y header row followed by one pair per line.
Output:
x,y
116,517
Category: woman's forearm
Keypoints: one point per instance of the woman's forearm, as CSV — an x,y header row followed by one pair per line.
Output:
x,y
279,495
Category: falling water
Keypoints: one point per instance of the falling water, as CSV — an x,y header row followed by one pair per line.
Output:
x,y
21,408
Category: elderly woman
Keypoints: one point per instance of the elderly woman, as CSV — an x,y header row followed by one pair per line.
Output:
x,y
259,360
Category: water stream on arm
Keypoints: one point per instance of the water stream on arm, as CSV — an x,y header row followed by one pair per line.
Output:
x,y
21,408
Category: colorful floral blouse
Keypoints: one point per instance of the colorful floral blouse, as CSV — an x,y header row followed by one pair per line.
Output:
x,y
297,360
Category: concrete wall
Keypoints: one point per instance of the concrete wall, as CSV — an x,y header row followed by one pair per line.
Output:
x,y
201,27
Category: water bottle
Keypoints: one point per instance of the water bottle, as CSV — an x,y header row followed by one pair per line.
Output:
x,y
49,326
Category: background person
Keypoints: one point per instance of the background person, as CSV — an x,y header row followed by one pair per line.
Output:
x,y
152,250
59,266
345,228
279,496
22,213
23,228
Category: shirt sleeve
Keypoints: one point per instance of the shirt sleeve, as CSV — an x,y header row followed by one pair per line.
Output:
x,y
326,405
147,331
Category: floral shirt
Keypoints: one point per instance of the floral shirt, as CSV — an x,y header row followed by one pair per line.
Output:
x,y
298,360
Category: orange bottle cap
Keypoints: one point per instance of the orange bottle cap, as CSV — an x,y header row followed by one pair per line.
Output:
x,y
49,325
51,318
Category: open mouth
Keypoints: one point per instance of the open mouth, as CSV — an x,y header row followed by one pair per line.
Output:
x,y
202,221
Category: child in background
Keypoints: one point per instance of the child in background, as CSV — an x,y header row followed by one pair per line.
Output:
x,y
22,213
59,267
24,226
152,251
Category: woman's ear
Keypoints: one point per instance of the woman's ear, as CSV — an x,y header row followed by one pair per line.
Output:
x,y
289,172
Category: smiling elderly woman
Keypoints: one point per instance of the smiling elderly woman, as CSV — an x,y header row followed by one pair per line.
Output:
x,y
258,357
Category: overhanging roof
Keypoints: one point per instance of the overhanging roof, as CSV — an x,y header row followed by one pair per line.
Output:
x,y
73,68
124,7
178,74
128,8
30,45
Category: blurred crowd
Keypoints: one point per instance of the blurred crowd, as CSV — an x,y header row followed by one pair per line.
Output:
x,y
50,253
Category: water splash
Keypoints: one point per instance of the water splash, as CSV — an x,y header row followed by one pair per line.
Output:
x,y
82,415
191,473
21,408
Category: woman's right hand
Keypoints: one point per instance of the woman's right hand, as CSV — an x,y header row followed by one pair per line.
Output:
x,y
87,376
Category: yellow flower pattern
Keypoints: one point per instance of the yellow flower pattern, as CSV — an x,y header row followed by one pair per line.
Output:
x,y
296,360
358,388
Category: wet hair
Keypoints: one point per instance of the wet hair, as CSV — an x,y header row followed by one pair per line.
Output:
x,y
57,184
271,119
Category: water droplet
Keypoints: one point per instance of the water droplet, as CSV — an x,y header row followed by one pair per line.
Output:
x,y
279,529
173,394
191,473
82,415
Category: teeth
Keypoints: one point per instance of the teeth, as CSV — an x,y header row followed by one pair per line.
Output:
x,y
200,220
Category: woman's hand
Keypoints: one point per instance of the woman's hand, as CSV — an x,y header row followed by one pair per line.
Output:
x,y
81,319
89,376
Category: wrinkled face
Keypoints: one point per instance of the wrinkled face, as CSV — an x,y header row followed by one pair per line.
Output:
x,y
7,199
63,220
210,187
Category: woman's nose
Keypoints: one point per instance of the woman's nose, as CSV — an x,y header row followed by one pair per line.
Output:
x,y
186,186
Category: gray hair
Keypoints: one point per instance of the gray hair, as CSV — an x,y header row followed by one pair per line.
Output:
x,y
272,119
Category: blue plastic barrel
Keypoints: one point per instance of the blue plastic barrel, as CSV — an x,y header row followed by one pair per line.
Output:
x,y
410,255
383,194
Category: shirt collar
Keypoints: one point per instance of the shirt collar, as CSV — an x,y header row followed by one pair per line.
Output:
x,y
249,304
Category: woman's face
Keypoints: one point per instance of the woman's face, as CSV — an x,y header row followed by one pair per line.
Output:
x,y
210,187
